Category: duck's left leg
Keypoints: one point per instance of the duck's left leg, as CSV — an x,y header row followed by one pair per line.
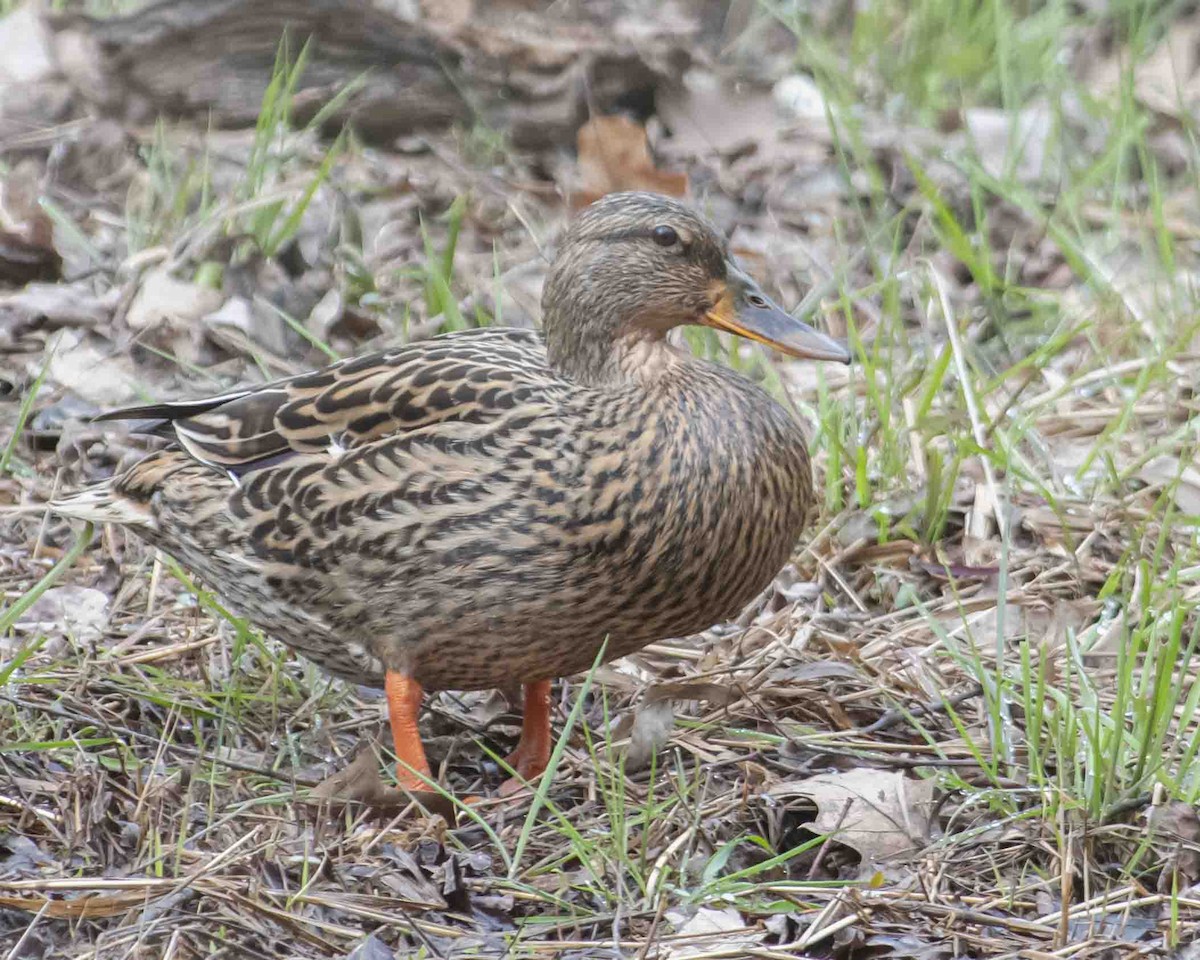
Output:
x,y
404,706
533,749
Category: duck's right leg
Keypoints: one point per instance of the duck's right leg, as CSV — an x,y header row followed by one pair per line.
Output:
x,y
404,706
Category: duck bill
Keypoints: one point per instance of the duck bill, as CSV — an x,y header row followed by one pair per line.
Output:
x,y
740,307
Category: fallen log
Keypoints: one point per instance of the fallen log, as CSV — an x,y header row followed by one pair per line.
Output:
x,y
533,75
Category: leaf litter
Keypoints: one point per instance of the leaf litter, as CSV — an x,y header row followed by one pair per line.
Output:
x,y
878,758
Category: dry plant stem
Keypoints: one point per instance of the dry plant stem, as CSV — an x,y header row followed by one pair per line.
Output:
x,y
999,510
18,947
894,716
978,429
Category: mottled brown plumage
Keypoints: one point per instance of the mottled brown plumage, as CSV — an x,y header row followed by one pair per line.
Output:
x,y
487,507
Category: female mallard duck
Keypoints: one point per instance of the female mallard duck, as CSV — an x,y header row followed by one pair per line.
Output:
x,y
489,506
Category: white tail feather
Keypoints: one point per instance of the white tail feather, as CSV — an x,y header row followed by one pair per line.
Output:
x,y
102,504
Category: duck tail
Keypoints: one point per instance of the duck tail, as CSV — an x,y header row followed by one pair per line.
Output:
x,y
104,504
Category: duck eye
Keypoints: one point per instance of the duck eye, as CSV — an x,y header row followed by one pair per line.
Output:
x,y
665,236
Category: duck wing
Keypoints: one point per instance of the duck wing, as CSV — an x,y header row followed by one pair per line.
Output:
x,y
466,376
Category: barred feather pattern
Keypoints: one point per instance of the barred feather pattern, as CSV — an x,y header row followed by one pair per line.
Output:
x,y
457,511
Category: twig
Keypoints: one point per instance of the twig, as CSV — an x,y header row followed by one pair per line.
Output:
x,y
892,717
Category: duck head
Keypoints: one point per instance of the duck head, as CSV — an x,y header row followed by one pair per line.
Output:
x,y
633,266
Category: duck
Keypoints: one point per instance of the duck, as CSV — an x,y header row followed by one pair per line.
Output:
x,y
497,507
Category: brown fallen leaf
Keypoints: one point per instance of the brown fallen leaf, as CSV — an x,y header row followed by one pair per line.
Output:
x,y
359,783
710,116
1176,823
93,370
878,813
613,156
947,572
22,262
27,250
55,305
654,716
707,117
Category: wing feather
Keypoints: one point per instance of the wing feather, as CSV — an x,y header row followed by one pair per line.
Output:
x,y
468,377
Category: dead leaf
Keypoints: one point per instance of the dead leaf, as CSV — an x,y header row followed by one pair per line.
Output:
x,y
1176,820
910,947
985,623
371,948
800,96
1168,79
78,612
948,572
27,250
100,377
654,716
24,856
817,670
447,17
653,721
1162,472
878,813
28,48
480,709
1177,823
57,305
614,155
359,782
164,299
22,261
326,314
1016,141
234,312
710,927
720,694
242,326
708,116
414,888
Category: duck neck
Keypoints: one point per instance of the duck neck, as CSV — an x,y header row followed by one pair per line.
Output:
x,y
627,358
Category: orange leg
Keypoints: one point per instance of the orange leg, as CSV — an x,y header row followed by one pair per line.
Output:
x,y
404,705
533,749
